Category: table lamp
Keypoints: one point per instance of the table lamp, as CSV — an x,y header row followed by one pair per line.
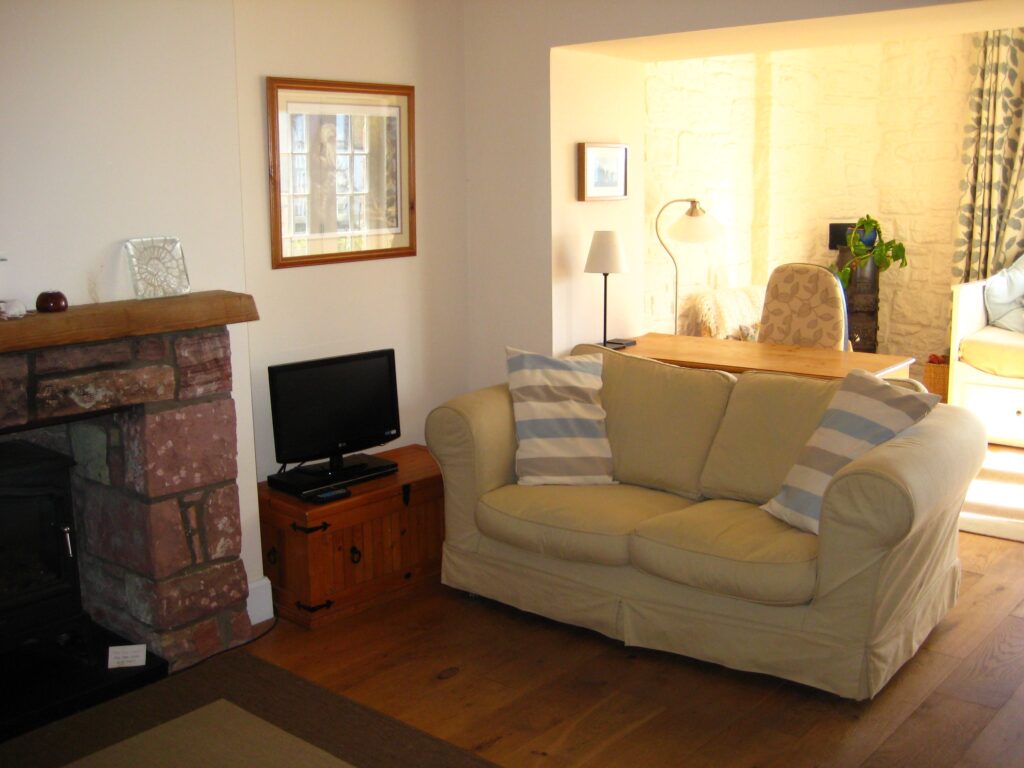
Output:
x,y
606,257
694,226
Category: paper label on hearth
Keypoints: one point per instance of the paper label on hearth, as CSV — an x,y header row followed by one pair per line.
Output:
x,y
126,656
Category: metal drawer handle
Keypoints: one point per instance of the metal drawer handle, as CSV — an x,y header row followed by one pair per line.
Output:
x,y
355,555
66,530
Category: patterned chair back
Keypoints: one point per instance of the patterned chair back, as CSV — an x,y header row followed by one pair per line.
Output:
x,y
804,305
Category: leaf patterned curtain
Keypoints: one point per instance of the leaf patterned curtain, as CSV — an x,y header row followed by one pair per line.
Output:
x,y
990,233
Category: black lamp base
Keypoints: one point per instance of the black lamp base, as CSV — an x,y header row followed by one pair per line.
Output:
x,y
611,344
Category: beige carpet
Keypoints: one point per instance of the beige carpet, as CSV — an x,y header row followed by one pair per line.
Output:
x,y
218,734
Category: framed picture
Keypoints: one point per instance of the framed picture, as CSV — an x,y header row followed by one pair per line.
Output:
x,y
342,171
601,171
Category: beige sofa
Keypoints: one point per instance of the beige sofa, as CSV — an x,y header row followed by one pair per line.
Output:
x,y
678,556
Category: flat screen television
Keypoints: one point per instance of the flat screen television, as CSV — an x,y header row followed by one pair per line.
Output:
x,y
329,409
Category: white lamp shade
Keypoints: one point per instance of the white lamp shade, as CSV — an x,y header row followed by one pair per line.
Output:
x,y
606,256
696,226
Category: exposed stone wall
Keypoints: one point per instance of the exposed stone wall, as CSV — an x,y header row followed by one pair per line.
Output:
x,y
777,145
156,503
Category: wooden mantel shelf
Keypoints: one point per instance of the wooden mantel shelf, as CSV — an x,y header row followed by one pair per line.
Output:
x,y
133,317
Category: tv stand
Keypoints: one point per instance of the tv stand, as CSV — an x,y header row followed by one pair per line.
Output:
x,y
306,482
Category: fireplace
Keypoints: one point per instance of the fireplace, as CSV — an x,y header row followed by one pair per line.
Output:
x,y
138,393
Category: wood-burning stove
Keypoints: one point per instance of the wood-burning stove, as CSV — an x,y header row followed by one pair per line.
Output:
x,y
39,591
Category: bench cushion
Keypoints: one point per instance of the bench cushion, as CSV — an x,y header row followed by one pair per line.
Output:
x,y
732,548
995,350
590,524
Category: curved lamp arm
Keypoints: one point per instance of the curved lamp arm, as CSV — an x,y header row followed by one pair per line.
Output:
x,y
707,233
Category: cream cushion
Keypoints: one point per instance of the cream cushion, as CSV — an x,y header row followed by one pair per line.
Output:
x,y
731,548
661,421
995,350
590,524
768,420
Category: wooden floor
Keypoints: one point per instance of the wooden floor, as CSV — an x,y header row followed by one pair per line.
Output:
x,y
523,691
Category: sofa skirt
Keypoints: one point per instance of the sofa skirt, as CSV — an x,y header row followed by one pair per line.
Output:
x,y
645,611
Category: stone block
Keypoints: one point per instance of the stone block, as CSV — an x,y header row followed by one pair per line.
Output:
x,y
188,645
151,348
147,539
13,390
102,584
80,356
181,449
103,390
89,447
222,523
174,602
204,364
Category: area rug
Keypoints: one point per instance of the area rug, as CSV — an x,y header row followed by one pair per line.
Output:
x,y
232,697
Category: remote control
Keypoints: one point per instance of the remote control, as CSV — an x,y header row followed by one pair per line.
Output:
x,y
331,494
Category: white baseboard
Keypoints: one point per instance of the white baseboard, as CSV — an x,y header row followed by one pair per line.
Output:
x,y
261,601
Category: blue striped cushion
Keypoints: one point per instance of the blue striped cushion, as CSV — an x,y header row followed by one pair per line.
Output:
x,y
865,412
559,419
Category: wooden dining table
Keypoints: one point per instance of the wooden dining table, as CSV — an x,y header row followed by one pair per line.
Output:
x,y
739,356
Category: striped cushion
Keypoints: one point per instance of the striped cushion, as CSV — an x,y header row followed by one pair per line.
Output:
x,y
559,419
865,412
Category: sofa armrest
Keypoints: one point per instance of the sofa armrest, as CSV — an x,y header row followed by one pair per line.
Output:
x,y
473,438
969,313
969,316
916,480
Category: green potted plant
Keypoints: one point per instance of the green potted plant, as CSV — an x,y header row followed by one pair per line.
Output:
x,y
865,241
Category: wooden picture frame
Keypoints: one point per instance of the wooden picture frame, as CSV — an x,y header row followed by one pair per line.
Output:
x,y
342,171
601,171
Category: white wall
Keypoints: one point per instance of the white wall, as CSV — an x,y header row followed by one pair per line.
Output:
x,y
598,99
119,120
510,213
415,305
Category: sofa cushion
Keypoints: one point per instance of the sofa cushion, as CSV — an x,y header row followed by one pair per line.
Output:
x,y
995,350
662,420
865,412
589,524
729,547
1004,297
766,424
560,423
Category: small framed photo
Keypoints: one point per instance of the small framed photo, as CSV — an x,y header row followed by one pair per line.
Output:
x,y
601,171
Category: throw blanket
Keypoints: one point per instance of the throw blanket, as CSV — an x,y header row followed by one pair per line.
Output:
x,y
724,313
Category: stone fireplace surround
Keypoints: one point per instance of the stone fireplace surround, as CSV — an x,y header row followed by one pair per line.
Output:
x,y
139,392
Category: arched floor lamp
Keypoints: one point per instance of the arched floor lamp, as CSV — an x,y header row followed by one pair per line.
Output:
x,y
695,226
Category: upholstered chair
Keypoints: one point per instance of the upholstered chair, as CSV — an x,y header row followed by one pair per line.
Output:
x,y
804,305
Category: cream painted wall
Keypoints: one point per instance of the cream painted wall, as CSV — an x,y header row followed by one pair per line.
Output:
x,y
806,137
599,99
415,305
119,121
511,212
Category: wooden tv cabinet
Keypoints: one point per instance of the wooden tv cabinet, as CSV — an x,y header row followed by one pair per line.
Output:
x,y
326,561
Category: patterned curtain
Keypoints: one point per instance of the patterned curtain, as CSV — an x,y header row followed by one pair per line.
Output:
x,y
990,233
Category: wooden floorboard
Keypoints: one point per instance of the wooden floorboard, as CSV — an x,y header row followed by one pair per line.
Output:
x,y
521,690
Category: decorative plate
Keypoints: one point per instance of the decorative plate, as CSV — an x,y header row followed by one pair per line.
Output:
x,y
157,265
